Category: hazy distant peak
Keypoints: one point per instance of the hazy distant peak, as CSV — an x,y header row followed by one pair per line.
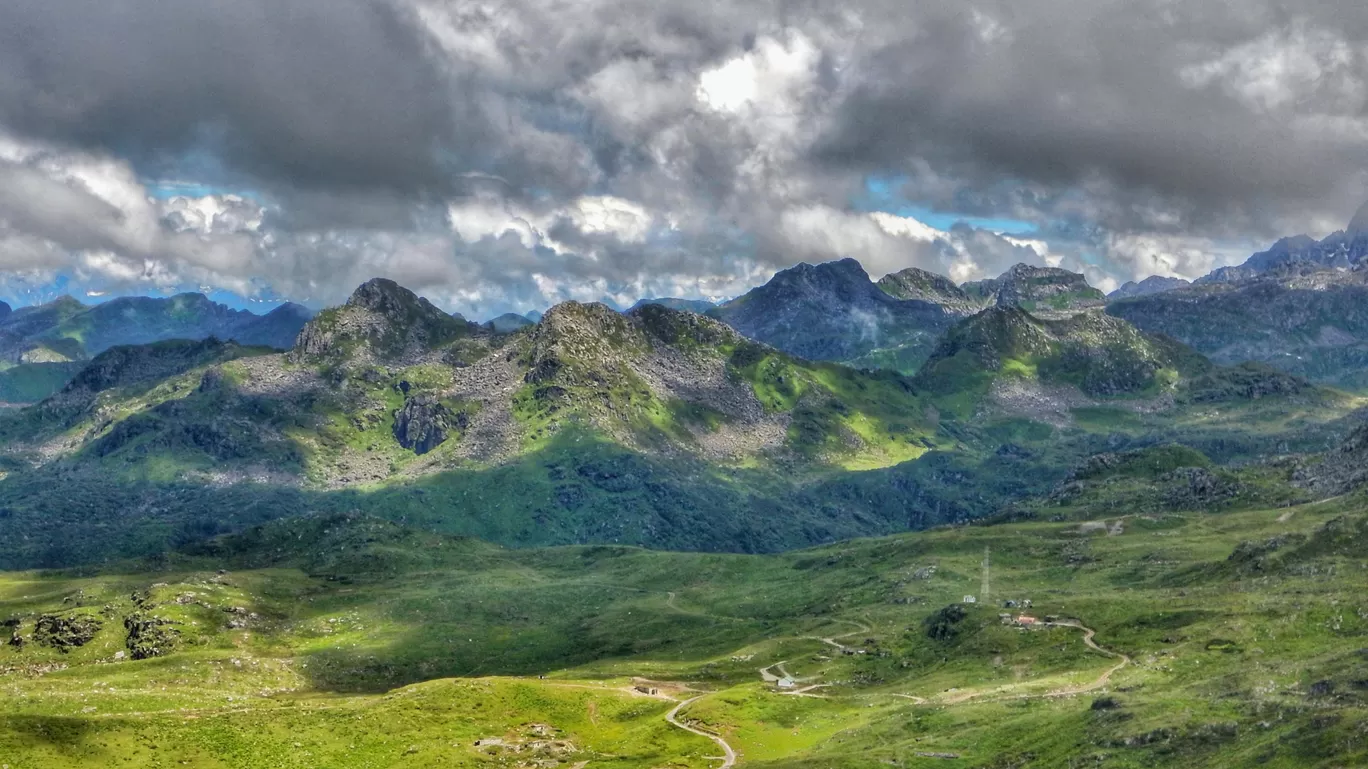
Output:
x,y
1360,221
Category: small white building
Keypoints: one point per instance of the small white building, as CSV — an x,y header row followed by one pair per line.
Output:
x,y
970,599
786,683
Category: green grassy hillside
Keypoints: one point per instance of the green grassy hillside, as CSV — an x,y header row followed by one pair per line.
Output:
x,y
1222,639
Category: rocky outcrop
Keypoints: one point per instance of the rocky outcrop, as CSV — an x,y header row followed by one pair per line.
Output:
x,y
1196,488
16,636
1043,291
149,636
424,423
66,632
1341,470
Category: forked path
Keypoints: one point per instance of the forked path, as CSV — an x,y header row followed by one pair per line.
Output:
x,y
729,756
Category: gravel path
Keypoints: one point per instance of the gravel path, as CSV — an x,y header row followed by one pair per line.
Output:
x,y
729,757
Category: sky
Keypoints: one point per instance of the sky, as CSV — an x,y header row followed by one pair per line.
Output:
x,y
507,155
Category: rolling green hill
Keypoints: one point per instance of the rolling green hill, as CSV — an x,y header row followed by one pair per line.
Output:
x,y
1168,636
411,540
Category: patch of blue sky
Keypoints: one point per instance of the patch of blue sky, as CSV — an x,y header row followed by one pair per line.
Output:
x,y
883,193
165,190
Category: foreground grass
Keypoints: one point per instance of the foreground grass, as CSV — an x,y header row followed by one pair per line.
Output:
x,y
349,642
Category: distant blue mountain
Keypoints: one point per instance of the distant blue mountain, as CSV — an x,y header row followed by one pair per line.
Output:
x,y
699,306
1346,249
1154,284
507,323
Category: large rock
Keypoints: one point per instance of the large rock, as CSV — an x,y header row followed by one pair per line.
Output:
x,y
424,423
149,636
1342,469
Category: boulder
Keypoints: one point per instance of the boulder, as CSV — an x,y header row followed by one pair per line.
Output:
x,y
424,423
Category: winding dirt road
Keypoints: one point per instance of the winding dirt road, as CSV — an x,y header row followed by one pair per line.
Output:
x,y
835,644
1088,635
729,756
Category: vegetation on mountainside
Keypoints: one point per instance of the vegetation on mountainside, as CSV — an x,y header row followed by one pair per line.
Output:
x,y
1240,633
1311,324
1092,352
28,383
339,592
656,428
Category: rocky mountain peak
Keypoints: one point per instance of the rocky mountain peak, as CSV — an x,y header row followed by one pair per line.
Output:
x,y
1154,284
507,323
921,285
1040,290
1360,221
833,311
384,296
290,310
845,279
384,317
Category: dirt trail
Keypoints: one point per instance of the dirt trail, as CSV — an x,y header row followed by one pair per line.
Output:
x,y
832,640
728,759
1088,635
1287,516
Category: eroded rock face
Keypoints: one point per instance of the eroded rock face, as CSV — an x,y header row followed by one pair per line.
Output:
x,y
66,633
424,423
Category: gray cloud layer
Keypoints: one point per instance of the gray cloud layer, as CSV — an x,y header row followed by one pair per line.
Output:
x,y
505,154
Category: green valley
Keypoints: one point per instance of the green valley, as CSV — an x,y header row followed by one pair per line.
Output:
x,y
1221,639
412,540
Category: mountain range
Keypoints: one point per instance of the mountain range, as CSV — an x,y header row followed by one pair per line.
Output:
x,y
1298,306
834,312
657,427
43,345
406,538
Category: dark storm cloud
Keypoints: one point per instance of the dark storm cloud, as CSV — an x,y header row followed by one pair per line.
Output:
x,y
309,92
1131,97
1137,133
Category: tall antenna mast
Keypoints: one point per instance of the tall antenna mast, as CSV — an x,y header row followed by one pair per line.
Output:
x,y
986,561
